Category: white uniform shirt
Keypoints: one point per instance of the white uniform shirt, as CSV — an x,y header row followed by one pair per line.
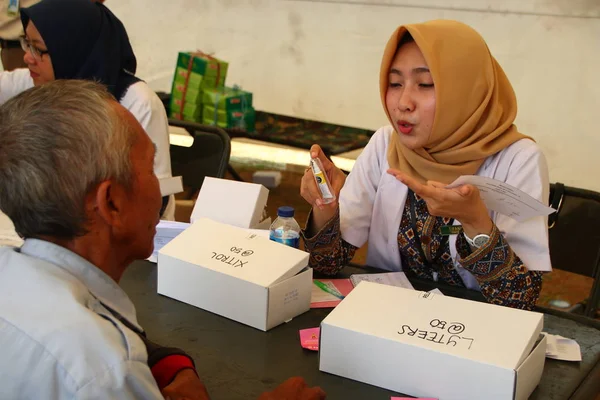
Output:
x,y
372,203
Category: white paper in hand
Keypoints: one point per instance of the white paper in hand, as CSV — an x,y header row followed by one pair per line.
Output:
x,y
503,198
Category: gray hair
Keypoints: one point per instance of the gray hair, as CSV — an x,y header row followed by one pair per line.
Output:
x,y
57,142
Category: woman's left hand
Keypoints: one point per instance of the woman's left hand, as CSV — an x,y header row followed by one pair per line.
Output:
x,y
462,203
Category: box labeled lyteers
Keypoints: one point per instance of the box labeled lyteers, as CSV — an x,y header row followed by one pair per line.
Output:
x,y
426,345
235,203
235,273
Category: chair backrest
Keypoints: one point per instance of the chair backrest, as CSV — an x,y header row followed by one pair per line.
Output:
x,y
575,235
574,230
208,155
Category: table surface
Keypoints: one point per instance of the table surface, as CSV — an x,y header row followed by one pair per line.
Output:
x,y
239,362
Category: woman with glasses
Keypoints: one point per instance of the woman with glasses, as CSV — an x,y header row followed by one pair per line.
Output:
x,y
81,39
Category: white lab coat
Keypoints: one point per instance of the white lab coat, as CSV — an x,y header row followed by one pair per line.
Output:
x,y
372,203
139,99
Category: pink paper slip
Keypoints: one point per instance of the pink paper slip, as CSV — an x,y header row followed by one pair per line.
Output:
x,y
412,398
322,299
309,338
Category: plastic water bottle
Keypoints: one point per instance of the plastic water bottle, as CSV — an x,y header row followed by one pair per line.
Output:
x,y
285,229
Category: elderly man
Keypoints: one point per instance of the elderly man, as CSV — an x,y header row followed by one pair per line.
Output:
x,y
77,180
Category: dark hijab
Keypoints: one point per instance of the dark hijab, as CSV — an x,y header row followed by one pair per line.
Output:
x,y
85,41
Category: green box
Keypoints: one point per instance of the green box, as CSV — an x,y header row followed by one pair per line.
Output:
x,y
196,81
202,64
244,120
203,72
184,117
191,111
227,99
192,96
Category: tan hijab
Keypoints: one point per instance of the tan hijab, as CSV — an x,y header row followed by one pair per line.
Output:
x,y
475,102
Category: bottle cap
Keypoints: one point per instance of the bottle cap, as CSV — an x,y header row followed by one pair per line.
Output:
x,y
285,211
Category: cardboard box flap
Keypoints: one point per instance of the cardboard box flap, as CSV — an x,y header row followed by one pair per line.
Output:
x,y
236,252
231,202
530,371
481,332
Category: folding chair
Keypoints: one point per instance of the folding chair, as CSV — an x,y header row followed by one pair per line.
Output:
x,y
574,232
207,156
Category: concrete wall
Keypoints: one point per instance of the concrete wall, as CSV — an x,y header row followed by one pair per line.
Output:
x,y
319,59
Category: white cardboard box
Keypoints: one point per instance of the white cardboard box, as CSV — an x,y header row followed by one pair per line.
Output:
x,y
426,345
235,273
165,232
231,202
269,179
170,185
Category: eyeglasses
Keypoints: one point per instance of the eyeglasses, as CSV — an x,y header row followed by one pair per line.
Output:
x,y
38,54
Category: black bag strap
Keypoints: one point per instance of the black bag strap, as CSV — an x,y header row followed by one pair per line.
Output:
x,y
556,203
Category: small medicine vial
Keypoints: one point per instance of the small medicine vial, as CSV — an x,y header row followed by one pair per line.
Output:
x,y
322,181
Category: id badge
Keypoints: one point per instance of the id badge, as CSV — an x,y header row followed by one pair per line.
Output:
x,y
447,230
13,8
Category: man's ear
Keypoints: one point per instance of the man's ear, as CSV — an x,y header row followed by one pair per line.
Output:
x,y
110,199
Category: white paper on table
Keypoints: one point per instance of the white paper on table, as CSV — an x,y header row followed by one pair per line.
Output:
x,y
8,235
436,291
562,348
503,198
165,232
390,278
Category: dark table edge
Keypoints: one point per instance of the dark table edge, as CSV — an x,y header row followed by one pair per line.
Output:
x,y
589,388
594,323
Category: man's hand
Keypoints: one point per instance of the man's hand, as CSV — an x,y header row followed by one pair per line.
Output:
x,y
185,386
294,389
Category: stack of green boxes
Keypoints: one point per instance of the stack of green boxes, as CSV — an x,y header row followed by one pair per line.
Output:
x,y
207,100
204,72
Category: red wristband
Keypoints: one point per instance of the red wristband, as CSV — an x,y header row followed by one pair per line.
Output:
x,y
165,370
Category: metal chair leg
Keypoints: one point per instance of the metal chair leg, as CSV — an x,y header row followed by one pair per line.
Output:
x,y
594,300
234,173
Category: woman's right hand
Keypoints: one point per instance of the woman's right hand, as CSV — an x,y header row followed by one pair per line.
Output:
x,y
310,192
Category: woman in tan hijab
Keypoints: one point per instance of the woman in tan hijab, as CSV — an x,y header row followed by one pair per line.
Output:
x,y
451,109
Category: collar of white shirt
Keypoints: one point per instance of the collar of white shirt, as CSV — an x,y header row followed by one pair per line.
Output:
x,y
100,285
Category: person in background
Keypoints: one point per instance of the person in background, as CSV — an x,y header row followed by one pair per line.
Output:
x,y
451,109
82,39
77,181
